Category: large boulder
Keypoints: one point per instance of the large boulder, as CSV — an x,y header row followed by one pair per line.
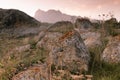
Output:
x,y
67,46
111,53
85,27
38,72
91,39
83,23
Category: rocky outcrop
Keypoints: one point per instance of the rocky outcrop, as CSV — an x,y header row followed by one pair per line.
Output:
x,y
39,72
91,39
83,23
111,53
62,26
66,50
68,45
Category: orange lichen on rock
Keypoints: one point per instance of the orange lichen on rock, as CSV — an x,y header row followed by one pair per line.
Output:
x,y
68,34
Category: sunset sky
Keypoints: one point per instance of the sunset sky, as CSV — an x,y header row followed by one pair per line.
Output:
x,y
89,8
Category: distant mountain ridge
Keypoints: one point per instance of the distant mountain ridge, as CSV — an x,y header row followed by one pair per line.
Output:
x,y
52,16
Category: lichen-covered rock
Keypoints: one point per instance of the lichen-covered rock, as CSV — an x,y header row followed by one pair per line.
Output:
x,y
39,72
91,39
66,49
111,53
83,23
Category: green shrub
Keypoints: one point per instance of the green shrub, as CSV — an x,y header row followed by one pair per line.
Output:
x,y
110,26
32,44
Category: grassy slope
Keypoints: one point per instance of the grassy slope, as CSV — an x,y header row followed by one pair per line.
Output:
x,y
13,63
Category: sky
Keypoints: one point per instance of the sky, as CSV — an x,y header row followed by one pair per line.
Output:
x,y
84,8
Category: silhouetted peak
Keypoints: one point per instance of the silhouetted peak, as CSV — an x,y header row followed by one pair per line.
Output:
x,y
54,11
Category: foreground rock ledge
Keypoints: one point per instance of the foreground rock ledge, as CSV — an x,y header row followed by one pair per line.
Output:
x,y
65,50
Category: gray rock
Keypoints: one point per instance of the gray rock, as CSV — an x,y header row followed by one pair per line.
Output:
x,y
65,50
111,53
83,23
91,39
39,72
69,46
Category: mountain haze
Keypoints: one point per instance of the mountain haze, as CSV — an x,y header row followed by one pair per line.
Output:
x,y
53,16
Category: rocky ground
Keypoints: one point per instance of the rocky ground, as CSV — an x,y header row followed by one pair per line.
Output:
x,y
60,51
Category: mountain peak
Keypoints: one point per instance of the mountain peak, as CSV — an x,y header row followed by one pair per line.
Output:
x,y
55,11
52,16
39,10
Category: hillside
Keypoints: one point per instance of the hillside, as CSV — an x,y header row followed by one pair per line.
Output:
x,y
14,22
